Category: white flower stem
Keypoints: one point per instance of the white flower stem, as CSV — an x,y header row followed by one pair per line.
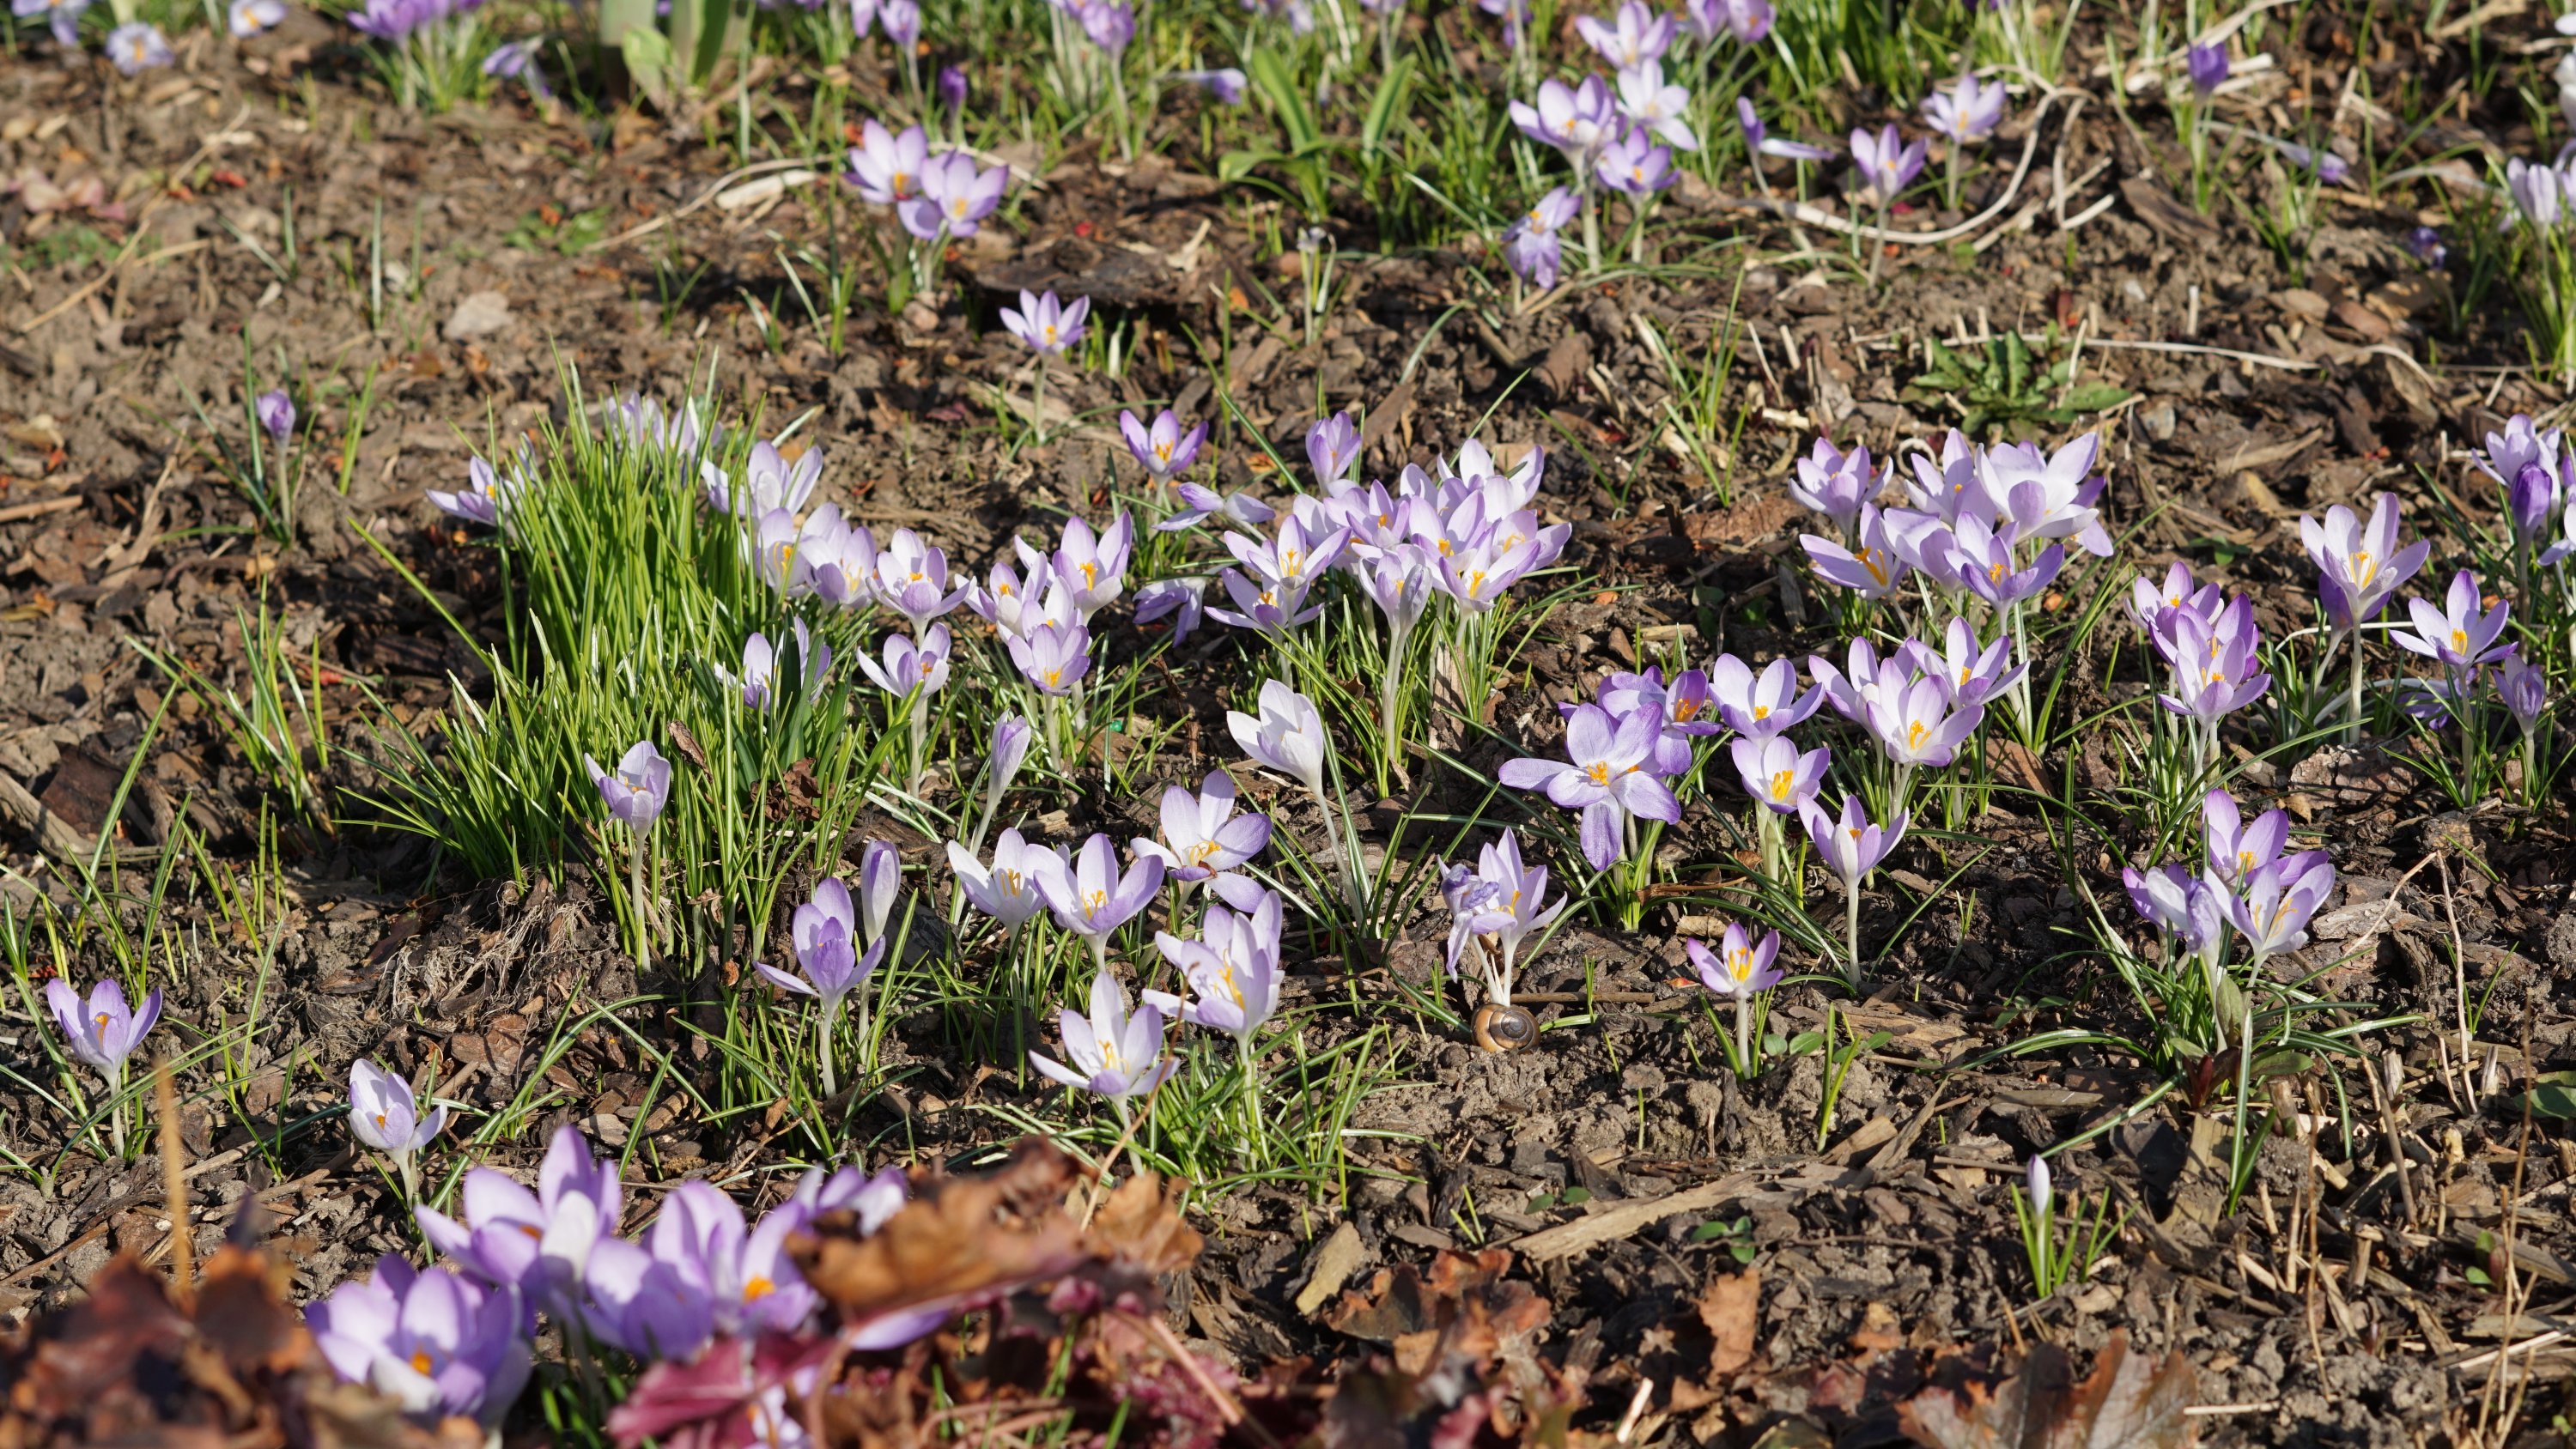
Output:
x,y
823,1049
1744,1036
636,876
1851,926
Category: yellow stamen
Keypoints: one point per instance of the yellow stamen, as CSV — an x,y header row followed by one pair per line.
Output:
x,y
757,1289
1781,780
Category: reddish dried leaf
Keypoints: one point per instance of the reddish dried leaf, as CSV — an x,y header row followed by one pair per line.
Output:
x,y
1730,1308
1141,1223
960,1240
2128,1402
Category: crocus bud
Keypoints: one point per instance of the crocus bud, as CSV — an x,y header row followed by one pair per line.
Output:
x,y
277,414
2041,1193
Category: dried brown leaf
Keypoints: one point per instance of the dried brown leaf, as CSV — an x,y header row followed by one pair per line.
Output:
x,y
960,1240
1730,1308
2129,1401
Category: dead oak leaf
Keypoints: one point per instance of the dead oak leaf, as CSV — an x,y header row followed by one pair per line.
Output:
x,y
2129,1401
960,1241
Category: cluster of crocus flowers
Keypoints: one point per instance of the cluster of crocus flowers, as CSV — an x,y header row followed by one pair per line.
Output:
x,y
2248,878
838,943
1617,135
2537,471
933,196
1041,605
2212,652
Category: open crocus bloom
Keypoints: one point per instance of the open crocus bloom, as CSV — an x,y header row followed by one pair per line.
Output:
x,y
1114,1054
1201,833
431,1341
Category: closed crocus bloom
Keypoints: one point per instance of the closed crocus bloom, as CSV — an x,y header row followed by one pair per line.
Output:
x,y
880,883
1741,967
1835,483
1333,448
1967,110
1183,601
1007,889
1778,777
2207,66
902,22
101,1032
832,966
2525,691
1198,503
637,789
276,412
1288,736
1164,451
383,1113
1849,845
2455,633
887,166
1759,706
431,1341
1872,569
1202,834
768,481
2162,896
2042,1192
1109,24
1009,750
1227,85
1636,36
1053,657
1758,137
1114,1054
1045,324
761,661
1090,896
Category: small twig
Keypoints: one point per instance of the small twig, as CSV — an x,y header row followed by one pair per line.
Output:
x,y
2380,1093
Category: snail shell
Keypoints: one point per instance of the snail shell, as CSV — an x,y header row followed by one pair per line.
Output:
x,y
1501,1027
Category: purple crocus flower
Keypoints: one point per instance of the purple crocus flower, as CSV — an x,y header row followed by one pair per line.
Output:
x,y
901,21
1093,567
1636,37
137,47
2273,909
2214,663
1740,968
911,578
537,1243
2162,896
887,166
1202,835
1972,672
1747,21
1163,450
1655,106
1778,777
1288,736
956,196
1199,504
1837,484
769,482
1110,24
2538,192
1758,138
1233,969
1759,706
2207,67
1967,111
62,16
1333,448
1045,324
1577,120
1849,845
1918,725
1532,247
952,90
1886,162
1872,570
2455,633
385,1115
430,1341
2426,244
637,789
1089,896
276,413
1988,567
1183,601
1115,1054
2525,691
1607,779
1007,889
829,964
101,1032
2235,849
511,60
760,667
1226,84
1636,164
908,666
1503,900
481,499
